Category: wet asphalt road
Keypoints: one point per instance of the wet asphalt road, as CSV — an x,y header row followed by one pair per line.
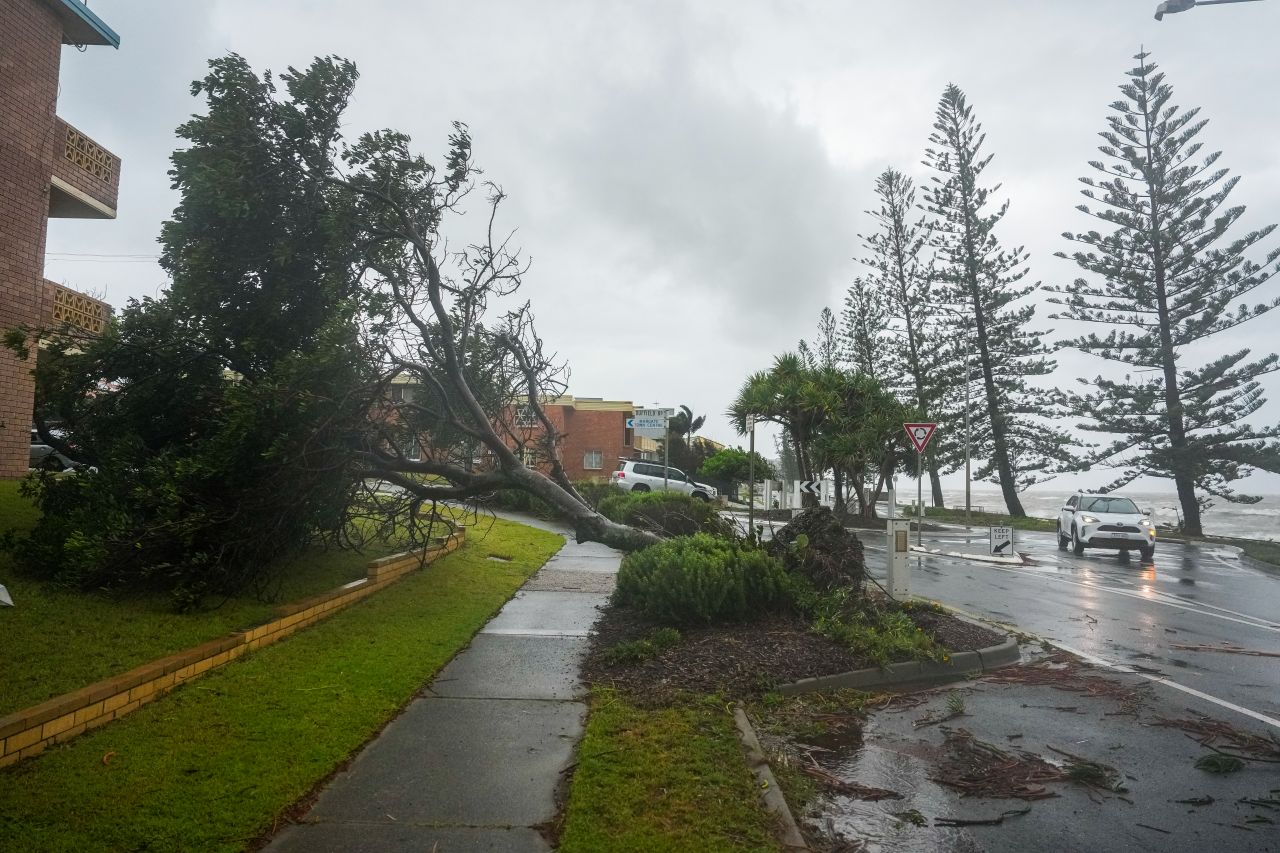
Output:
x,y
1124,613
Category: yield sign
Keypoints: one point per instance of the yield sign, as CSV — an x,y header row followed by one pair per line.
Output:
x,y
920,434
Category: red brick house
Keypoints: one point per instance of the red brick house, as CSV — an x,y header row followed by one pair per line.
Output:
x,y
48,168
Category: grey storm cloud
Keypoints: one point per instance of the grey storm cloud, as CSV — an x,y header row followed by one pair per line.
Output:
x,y
689,178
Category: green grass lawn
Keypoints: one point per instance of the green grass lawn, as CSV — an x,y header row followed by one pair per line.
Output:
x,y
986,519
213,765
57,640
665,779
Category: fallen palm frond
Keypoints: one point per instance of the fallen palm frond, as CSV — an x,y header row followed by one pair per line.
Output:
x,y
978,769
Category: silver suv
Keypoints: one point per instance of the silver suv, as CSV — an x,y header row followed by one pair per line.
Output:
x,y
1105,521
636,476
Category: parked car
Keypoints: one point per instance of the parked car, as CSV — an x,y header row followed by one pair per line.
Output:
x,y
1105,521
636,476
45,458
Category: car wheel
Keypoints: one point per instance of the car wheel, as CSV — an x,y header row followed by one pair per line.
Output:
x,y
700,496
1062,540
1147,551
1124,555
640,487
1077,547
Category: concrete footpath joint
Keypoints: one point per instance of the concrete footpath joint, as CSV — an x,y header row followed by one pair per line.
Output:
x,y
478,759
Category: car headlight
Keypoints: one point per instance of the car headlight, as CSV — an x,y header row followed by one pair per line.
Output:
x,y
1088,519
1146,522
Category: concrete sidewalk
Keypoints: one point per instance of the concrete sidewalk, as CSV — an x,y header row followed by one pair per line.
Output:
x,y
475,761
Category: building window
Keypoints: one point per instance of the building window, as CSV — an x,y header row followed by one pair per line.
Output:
x,y
528,457
628,436
397,393
526,417
593,460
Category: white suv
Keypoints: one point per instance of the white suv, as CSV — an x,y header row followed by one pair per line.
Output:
x,y
1105,521
636,476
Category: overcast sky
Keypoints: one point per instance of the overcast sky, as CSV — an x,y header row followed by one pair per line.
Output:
x,y
689,178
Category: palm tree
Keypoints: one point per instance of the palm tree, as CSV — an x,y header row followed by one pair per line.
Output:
x,y
795,397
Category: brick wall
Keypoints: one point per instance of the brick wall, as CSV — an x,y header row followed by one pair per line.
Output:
x,y
28,98
586,430
84,164
31,731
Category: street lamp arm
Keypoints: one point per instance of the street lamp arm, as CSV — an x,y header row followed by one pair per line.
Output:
x,y
1170,7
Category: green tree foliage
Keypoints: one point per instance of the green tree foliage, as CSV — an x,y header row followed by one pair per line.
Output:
x,y
1166,276
983,283
664,513
864,327
702,579
733,465
790,395
915,350
220,415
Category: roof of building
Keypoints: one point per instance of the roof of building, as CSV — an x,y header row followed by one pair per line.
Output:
x,y
82,26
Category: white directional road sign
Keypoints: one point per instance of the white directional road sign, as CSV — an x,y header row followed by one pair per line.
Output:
x,y
650,423
813,487
1001,541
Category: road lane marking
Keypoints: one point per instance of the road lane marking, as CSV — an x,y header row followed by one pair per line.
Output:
x,y
1160,679
1251,621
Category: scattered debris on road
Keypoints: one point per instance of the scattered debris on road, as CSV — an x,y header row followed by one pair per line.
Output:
x,y
976,768
987,821
1225,647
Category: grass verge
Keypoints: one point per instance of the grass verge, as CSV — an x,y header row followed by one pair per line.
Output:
x,y
1260,550
663,779
62,639
986,519
214,764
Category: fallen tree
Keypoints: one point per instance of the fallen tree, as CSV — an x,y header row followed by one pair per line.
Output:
x,y
470,418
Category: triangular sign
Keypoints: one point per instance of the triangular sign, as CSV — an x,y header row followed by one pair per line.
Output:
x,y
920,434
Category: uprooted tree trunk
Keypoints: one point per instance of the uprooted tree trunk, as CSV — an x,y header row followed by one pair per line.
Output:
x,y
475,421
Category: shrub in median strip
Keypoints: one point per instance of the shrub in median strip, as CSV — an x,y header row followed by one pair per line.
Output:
x,y
702,579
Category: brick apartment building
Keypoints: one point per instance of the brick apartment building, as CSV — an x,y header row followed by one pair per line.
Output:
x,y
594,433
48,168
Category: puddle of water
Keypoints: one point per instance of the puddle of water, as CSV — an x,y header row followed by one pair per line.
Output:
x,y
903,767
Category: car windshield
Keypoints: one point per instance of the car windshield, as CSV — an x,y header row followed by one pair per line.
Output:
x,y
1108,505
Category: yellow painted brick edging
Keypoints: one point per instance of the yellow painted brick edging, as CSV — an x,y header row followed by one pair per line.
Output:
x,y
30,731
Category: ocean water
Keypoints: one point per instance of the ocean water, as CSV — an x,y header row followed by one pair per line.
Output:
x,y
1250,521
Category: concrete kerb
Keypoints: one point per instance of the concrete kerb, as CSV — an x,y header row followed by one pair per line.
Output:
x,y
774,802
969,555
915,673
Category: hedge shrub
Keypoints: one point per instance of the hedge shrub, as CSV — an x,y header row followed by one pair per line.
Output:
x,y
665,513
702,579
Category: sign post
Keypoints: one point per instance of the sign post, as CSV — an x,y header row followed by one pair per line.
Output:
x,y
920,435
751,478
654,423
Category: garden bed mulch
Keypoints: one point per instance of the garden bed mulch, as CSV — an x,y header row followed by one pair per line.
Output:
x,y
743,660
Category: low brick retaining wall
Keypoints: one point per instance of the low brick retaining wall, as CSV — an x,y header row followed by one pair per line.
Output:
x,y
30,731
